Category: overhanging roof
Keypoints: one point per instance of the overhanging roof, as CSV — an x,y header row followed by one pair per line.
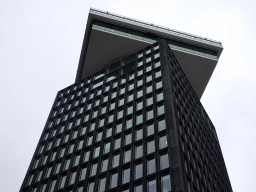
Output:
x,y
101,47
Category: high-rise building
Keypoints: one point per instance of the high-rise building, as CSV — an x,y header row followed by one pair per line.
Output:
x,y
132,121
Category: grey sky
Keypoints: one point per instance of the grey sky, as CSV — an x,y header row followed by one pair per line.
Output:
x,y
40,44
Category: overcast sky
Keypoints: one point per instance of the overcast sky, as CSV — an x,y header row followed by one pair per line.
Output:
x,y
40,44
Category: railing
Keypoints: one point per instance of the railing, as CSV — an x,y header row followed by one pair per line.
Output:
x,y
160,27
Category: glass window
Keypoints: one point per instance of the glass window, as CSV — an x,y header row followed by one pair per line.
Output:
x,y
130,87
131,76
107,88
72,178
61,129
139,134
62,152
82,173
99,92
139,93
89,105
118,127
43,187
49,146
120,114
115,161
39,175
152,185
126,175
109,132
166,183
129,109
92,127
53,156
127,156
149,78
148,68
97,102
41,149
86,117
46,136
151,166
99,136
151,146
138,171
148,59
113,180
138,188
150,129
102,184
89,140
86,156
162,142
103,110
117,143
139,72
128,123
139,118
48,172
83,131
83,99
161,125
57,168
99,75
128,138
157,74
80,144
104,166
66,138
140,63
75,132
76,160
65,117
107,147
164,161
110,118
130,97
71,148
113,95
159,84
159,96
101,122
112,106
150,114
149,100
67,163
139,105
121,101
96,152
91,95
160,109
90,187
139,82
149,88
122,90
148,51
79,189
44,159
94,169
140,54
35,163
138,151
123,80
105,98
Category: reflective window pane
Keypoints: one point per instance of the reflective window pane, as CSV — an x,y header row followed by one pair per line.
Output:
x,y
165,183
126,175
161,125
128,138
127,156
164,161
117,143
138,151
104,166
94,169
102,184
151,146
151,166
152,186
138,171
138,188
115,161
139,134
162,142
113,180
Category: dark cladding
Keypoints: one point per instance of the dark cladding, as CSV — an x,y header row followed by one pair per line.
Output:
x,y
136,125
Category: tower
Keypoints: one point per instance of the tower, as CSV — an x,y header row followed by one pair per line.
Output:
x,y
133,120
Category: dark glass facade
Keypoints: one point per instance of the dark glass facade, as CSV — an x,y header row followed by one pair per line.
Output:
x,y
136,125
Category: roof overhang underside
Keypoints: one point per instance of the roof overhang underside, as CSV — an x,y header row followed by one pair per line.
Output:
x,y
101,47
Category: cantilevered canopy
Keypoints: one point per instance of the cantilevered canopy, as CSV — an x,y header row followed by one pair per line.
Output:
x,y
109,36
